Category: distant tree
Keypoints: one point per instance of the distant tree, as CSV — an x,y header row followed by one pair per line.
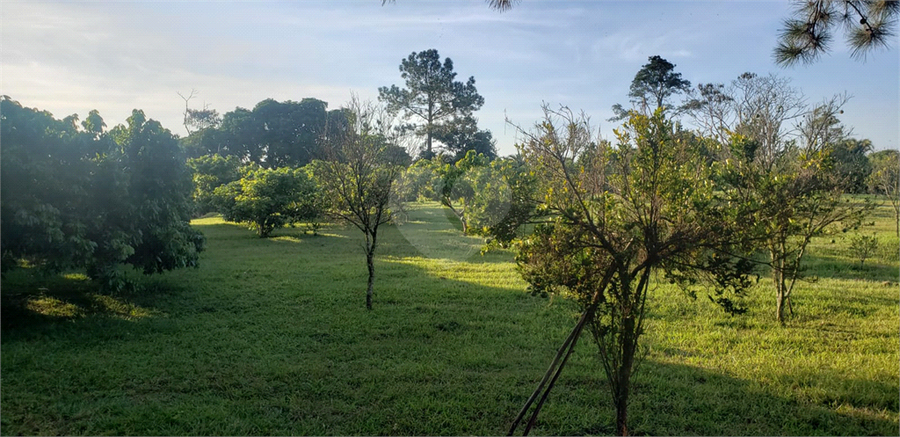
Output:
x,y
851,163
808,32
462,135
458,188
198,119
268,199
885,180
358,175
506,201
619,213
652,86
94,123
763,108
420,181
94,200
431,94
274,134
210,172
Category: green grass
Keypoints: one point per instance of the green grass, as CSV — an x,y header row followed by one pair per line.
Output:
x,y
271,336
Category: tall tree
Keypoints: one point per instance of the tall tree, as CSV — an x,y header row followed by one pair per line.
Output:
x,y
358,175
808,32
620,213
652,86
431,94
198,119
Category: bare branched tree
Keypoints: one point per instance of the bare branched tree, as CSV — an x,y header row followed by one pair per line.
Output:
x,y
358,174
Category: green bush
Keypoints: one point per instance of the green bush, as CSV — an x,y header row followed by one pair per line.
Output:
x,y
269,198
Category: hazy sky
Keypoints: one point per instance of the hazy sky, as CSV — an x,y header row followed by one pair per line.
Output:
x,y
71,57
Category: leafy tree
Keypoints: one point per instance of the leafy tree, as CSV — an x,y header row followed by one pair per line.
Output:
x,y
93,200
274,134
45,180
458,188
268,199
93,123
808,32
652,86
462,135
505,206
358,176
420,181
798,197
620,213
885,179
159,194
851,163
431,94
209,173
791,162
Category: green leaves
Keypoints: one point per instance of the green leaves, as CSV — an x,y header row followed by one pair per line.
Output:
x,y
431,94
268,199
93,200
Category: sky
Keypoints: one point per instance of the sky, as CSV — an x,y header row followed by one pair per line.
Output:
x,y
72,57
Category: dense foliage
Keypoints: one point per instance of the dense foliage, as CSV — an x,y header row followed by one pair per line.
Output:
x,y
268,199
273,134
85,199
211,172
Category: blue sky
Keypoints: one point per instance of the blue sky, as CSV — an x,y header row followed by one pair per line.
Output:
x,y
71,57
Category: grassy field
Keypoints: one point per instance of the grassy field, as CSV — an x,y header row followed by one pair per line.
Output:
x,y
271,336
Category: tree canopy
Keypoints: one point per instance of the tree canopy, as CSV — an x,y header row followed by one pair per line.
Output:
x,y
652,86
432,95
274,134
94,200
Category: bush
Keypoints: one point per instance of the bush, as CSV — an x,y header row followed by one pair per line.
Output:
x,y
269,198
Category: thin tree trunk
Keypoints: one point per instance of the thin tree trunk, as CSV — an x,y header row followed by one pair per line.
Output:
x,y
624,380
779,296
370,262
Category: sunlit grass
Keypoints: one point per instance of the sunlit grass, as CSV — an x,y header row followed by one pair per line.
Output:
x,y
271,336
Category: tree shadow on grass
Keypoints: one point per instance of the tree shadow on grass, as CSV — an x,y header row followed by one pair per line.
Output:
x,y
34,305
678,399
839,268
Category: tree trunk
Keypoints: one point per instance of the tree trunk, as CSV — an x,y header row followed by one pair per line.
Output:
x,y
780,298
370,262
624,376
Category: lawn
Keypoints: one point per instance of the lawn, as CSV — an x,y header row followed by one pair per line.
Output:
x,y
271,336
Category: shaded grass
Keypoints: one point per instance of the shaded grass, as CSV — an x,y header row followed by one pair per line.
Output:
x,y
271,336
